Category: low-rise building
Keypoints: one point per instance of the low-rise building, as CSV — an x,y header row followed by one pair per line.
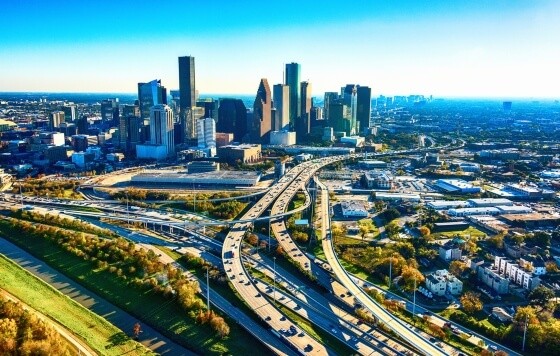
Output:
x,y
450,251
378,180
441,282
489,275
245,153
457,186
353,209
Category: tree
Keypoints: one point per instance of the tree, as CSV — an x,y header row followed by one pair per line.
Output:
x,y
457,268
471,302
411,277
392,229
541,296
424,231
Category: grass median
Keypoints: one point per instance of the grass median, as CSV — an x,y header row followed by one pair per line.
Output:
x,y
98,333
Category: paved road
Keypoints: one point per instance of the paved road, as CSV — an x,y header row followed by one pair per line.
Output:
x,y
118,317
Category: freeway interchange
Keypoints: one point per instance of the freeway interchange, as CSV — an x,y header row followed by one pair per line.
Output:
x,y
255,292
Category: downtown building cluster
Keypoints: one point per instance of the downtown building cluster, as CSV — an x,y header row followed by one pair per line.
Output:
x,y
285,115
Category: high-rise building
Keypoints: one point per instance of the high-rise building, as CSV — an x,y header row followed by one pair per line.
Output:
x,y
130,110
56,118
350,98
187,97
161,128
206,133
363,112
110,111
70,112
262,120
281,100
150,94
330,97
82,125
303,123
187,90
293,72
232,118
210,107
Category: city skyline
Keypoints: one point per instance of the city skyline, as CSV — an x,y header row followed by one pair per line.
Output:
x,y
474,49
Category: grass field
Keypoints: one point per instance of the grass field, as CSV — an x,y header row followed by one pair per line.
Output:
x,y
471,231
97,332
153,309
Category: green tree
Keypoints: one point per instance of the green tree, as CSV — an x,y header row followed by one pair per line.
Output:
x,y
457,268
541,296
471,302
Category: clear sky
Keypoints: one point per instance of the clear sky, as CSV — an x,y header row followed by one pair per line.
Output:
x,y
497,48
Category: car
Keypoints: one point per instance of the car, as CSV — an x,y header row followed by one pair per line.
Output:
x,y
268,318
493,348
308,348
433,339
283,318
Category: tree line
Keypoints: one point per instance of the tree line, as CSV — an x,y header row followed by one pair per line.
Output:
x,y
135,267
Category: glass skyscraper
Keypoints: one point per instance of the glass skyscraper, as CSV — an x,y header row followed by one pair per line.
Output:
x,y
293,73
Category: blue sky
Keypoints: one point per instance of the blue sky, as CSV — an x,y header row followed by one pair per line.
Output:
x,y
492,48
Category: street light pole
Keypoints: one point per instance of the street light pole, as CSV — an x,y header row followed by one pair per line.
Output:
x,y
269,235
390,271
208,289
414,299
274,293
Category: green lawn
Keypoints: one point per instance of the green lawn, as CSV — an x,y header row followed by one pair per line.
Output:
x,y
471,231
153,309
97,332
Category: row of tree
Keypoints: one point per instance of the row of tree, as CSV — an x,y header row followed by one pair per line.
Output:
x,y
136,267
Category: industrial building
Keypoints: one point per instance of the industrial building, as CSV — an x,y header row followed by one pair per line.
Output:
x,y
207,179
456,186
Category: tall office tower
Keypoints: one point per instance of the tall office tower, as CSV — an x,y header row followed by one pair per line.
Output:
x,y
349,95
316,117
293,71
70,112
281,101
130,110
232,118
330,97
150,94
56,118
110,111
303,123
262,120
161,128
187,97
206,132
363,111
340,117
82,125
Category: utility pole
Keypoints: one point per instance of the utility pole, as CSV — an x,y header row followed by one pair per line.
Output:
x,y
414,299
274,293
269,233
127,210
390,271
207,289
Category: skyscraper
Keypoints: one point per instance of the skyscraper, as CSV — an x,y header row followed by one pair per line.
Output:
x,y
232,118
330,97
56,119
206,133
187,90
262,120
303,120
349,96
187,97
292,80
150,94
161,128
110,111
70,112
363,111
281,100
